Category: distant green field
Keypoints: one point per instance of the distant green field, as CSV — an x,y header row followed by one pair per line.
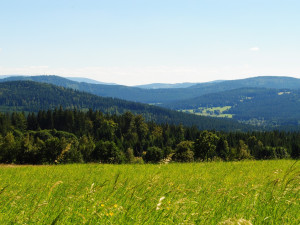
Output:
x,y
210,111
249,192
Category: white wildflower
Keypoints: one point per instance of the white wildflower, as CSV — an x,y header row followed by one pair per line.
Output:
x,y
159,202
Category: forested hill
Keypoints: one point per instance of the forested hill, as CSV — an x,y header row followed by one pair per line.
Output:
x,y
275,82
164,95
273,106
29,96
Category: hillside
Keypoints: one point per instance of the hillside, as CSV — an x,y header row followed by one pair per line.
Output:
x,y
254,105
164,95
31,96
275,82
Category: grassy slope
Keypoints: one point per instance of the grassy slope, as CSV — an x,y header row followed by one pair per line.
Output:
x,y
263,192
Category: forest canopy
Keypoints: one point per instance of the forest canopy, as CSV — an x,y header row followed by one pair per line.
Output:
x,y
67,136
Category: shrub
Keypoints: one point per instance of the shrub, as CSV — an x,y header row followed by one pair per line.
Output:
x,y
129,155
108,152
183,152
154,155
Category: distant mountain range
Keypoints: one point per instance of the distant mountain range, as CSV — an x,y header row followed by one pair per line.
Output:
x,y
266,101
87,80
162,85
177,85
164,95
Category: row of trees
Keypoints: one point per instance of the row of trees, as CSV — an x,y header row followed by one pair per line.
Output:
x,y
65,136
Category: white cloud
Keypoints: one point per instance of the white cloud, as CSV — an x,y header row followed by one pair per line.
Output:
x,y
254,49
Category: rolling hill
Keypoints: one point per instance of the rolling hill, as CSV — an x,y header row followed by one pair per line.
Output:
x,y
164,95
253,105
29,96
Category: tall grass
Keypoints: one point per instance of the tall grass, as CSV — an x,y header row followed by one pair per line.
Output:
x,y
252,192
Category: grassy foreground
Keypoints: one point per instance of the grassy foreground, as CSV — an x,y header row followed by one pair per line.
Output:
x,y
252,192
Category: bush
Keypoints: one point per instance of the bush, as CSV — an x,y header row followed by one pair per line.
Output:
x,y
70,153
138,160
86,147
129,155
281,153
184,152
242,151
108,152
154,155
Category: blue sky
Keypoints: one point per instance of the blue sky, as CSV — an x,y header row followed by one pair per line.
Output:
x,y
147,41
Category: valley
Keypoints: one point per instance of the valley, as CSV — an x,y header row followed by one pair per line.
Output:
x,y
266,102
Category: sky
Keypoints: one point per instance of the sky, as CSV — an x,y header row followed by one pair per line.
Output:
x,y
135,42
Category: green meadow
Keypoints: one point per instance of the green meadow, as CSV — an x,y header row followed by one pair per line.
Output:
x,y
210,111
246,192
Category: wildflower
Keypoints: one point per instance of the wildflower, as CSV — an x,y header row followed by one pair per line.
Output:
x,y
115,205
159,202
102,205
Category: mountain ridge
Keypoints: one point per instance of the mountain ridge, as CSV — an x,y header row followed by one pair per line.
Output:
x,y
167,95
165,85
30,96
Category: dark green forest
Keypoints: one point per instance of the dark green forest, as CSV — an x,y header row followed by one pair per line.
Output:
x,y
67,136
277,107
29,96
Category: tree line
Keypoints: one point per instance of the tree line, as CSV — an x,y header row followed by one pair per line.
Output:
x,y
68,136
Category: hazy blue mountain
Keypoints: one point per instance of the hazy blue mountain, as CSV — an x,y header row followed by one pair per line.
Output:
x,y
165,95
87,80
4,76
51,79
163,85
177,85
31,96
262,81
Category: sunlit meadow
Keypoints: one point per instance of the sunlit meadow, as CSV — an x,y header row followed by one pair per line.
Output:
x,y
250,192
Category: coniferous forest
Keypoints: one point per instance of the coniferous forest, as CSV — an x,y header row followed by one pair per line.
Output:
x,y
67,136
31,96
